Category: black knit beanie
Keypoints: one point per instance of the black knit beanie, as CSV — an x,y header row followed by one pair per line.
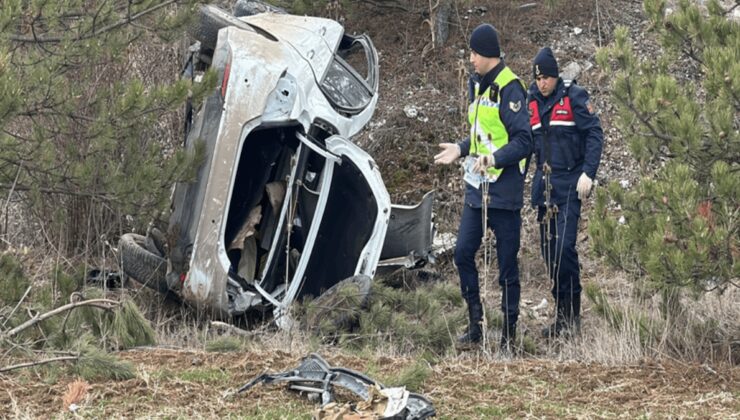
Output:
x,y
545,64
484,41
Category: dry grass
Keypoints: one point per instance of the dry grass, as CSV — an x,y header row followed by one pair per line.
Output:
x,y
198,384
76,392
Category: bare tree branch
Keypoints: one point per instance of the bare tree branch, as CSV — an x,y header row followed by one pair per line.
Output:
x,y
38,363
105,304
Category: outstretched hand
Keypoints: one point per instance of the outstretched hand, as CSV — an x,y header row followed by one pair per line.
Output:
x,y
450,152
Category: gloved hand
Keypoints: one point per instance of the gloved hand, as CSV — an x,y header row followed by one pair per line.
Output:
x,y
450,152
484,162
584,186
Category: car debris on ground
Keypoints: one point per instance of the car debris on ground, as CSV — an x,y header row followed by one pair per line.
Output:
x,y
320,381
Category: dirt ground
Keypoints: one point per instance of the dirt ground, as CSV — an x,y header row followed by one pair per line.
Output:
x,y
200,385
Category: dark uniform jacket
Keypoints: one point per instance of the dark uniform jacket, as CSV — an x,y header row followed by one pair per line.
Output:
x,y
567,133
508,190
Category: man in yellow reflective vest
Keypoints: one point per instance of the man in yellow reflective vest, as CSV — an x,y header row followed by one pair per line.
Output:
x,y
495,153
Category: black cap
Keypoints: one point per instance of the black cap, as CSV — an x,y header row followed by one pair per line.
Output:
x,y
484,41
545,64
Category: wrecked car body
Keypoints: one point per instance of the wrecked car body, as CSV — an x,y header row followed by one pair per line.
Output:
x,y
285,205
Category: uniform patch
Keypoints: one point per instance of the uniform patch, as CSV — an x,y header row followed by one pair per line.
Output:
x,y
515,106
589,107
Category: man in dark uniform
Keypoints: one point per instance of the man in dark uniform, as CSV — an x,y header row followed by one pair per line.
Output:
x,y
567,143
495,155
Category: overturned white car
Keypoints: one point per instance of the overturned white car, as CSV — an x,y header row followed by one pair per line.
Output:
x,y
285,205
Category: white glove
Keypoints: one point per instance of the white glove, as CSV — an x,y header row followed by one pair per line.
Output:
x,y
450,152
584,186
483,162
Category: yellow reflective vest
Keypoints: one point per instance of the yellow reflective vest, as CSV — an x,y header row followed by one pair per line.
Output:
x,y
487,131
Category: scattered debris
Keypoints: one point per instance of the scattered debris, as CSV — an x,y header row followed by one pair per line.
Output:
x,y
410,111
315,377
572,71
106,278
541,305
443,243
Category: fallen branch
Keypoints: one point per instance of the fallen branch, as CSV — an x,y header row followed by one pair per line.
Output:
x,y
105,304
39,363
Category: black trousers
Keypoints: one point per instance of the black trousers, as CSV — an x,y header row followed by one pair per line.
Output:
x,y
506,225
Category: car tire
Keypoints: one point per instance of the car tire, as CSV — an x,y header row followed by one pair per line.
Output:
x,y
141,263
338,309
159,240
209,21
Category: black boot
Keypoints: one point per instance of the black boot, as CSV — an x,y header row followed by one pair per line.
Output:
x,y
473,335
508,337
561,314
567,319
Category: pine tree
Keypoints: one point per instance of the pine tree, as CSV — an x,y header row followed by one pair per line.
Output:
x,y
82,142
678,228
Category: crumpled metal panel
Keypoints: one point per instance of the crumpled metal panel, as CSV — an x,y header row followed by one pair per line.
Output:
x,y
316,40
256,66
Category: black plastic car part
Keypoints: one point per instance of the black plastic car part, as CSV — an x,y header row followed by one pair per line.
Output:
x,y
314,375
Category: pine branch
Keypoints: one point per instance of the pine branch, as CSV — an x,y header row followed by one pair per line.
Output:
x,y
643,119
93,33
105,304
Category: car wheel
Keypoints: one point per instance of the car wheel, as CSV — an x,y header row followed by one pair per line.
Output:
x,y
159,241
142,263
338,309
210,19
